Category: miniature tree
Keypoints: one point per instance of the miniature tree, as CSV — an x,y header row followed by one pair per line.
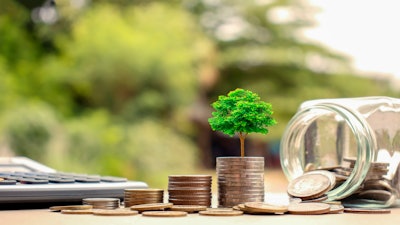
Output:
x,y
241,112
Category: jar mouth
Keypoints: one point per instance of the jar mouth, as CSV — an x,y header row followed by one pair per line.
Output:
x,y
297,135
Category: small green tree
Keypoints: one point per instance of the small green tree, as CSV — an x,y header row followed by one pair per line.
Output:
x,y
241,112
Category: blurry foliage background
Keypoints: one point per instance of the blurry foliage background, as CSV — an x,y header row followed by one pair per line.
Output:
x,y
124,87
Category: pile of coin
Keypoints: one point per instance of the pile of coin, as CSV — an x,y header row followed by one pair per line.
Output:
x,y
240,180
375,186
143,196
102,203
190,189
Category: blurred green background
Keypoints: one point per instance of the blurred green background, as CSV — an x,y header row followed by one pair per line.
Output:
x,y
124,87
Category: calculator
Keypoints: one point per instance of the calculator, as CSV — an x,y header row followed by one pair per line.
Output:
x,y
25,183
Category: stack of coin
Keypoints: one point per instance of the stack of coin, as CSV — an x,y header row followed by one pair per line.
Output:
x,y
102,203
190,190
240,180
143,196
375,186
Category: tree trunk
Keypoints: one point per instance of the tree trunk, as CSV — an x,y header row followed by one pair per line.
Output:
x,y
242,137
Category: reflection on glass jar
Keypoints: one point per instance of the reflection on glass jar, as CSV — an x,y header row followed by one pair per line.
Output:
x,y
358,139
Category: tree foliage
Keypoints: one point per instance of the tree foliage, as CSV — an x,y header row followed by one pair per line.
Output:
x,y
241,112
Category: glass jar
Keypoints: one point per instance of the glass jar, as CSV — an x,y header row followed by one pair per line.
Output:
x,y
357,138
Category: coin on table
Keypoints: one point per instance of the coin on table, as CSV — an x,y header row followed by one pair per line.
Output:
x,y
79,211
310,208
309,186
165,213
336,209
115,212
262,207
221,213
188,208
70,207
367,211
150,207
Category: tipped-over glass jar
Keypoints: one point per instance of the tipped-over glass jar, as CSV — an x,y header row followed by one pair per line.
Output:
x,y
356,138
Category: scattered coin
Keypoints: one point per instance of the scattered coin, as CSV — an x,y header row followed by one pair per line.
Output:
x,y
335,209
70,207
165,213
367,211
262,207
79,211
308,186
115,212
188,208
319,199
330,175
221,213
151,207
311,208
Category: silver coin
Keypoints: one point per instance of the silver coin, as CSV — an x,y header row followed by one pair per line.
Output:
x,y
309,186
330,175
379,195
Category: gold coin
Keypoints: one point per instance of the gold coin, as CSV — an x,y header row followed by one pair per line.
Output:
x,y
221,213
115,212
310,208
79,211
70,207
165,213
153,206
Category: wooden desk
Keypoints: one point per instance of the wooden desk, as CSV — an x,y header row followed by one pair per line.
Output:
x,y
275,184
45,217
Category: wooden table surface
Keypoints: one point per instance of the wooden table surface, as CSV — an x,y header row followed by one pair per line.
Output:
x,y
275,186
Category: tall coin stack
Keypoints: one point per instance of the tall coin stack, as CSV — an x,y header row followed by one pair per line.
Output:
x,y
190,190
240,180
143,196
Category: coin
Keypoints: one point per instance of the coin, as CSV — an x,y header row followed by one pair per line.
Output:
x,y
221,213
188,208
335,209
149,190
165,213
102,203
330,175
377,185
104,212
70,207
309,186
379,195
79,211
262,207
148,207
367,211
311,208
319,199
